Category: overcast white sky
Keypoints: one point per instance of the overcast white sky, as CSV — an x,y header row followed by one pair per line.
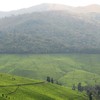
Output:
x,y
7,5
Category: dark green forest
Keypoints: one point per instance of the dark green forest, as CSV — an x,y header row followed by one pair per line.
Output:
x,y
50,32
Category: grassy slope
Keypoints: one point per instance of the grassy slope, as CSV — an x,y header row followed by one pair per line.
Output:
x,y
68,68
45,91
74,77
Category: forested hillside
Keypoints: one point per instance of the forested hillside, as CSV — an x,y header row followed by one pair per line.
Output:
x,y
50,32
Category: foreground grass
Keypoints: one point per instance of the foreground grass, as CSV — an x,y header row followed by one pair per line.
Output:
x,y
45,91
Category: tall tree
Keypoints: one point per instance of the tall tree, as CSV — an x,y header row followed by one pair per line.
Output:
x,y
52,81
90,96
79,87
48,79
73,87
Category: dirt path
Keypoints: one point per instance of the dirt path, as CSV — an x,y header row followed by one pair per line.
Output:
x,y
24,84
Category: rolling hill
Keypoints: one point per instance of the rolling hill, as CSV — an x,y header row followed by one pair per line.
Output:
x,y
67,69
9,89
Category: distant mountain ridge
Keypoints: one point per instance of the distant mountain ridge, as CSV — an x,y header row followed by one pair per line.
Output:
x,y
50,7
51,28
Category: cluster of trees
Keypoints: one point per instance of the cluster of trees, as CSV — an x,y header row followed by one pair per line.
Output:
x,y
92,91
50,79
79,87
48,32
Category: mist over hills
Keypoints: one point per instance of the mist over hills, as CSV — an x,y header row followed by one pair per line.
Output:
x,y
50,7
51,28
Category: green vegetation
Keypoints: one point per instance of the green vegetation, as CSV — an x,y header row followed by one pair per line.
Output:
x,y
67,69
43,91
50,32
42,46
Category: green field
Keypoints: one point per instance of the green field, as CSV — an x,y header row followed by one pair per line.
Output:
x,y
68,69
9,90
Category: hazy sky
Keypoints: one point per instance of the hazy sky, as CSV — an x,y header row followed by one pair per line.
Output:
x,y
7,5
